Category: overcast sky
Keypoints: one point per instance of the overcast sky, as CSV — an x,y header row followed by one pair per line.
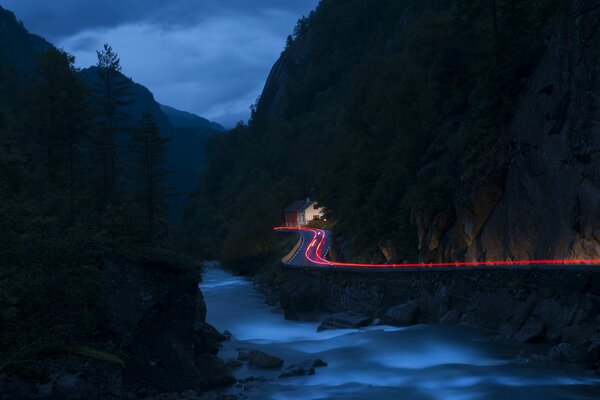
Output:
x,y
210,57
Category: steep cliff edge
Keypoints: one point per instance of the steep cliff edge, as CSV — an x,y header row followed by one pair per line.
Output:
x,y
541,197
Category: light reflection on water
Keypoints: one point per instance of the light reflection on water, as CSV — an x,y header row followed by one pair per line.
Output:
x,y
421,362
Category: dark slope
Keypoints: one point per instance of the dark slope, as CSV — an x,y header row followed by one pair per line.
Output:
x,y
185,152
186,119
19,48
424,132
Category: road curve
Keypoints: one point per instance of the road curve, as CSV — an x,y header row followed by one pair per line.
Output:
x,y
315,243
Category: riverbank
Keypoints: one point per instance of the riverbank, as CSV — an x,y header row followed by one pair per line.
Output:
x,y
550,305
155,341
422,362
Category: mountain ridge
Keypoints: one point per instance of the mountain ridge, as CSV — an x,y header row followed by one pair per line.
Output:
x,y
186,119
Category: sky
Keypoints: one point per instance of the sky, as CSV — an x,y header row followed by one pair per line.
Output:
x,y
209,57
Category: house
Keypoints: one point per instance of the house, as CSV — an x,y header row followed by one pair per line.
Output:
x,y
301,212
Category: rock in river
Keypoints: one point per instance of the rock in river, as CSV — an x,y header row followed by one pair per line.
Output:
x,y
302,369
258,359
402,314
345,320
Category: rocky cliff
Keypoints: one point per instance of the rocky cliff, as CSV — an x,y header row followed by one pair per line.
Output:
x,y
540,194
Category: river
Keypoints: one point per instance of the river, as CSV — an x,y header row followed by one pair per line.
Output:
x,y
420,362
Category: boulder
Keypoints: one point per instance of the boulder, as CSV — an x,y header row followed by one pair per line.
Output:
x,y
345,320
402,314
190,395
532,332
258,359
232,363
452,317
587,353
577,333
302,369
318,363
298,370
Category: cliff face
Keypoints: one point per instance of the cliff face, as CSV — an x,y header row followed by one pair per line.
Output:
x,y
535,190
540,197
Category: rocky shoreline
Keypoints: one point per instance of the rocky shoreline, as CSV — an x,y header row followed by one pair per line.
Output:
x,y
553,306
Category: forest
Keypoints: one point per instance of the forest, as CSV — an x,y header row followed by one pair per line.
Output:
x,y
81,182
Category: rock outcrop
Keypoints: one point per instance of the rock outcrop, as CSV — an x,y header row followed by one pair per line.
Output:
x,y
259,359
160,320
344,320
540,194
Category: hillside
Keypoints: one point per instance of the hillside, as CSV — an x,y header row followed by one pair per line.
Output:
x,y
187,132
186,119
20,49
430,130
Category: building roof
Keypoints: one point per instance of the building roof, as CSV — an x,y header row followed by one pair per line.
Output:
x,y
299,205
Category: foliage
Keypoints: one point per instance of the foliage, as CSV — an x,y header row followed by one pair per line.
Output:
x,y
148,150
56,233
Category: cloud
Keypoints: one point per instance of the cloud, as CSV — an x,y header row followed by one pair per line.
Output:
x,y
210,57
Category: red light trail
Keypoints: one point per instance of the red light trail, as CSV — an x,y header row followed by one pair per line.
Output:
x,y
314,254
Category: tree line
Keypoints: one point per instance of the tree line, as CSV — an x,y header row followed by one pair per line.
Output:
x,y
79,182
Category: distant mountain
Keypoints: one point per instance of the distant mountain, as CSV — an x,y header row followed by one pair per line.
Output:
x,y
185,153
19,48
184,119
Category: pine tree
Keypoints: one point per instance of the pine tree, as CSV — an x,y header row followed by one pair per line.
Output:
x,y
148,149
60,120
111,94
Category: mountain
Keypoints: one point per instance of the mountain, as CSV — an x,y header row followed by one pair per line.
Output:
x,y
19,48
431,131
188,134
186,119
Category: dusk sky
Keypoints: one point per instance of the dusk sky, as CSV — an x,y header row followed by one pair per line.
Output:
x,y
210,57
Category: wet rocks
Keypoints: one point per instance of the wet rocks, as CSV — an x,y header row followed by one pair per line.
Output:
x,y
452,317
402,314
258,359
344,320
190,395
232,363
297,370
302,369
587,352
532,332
